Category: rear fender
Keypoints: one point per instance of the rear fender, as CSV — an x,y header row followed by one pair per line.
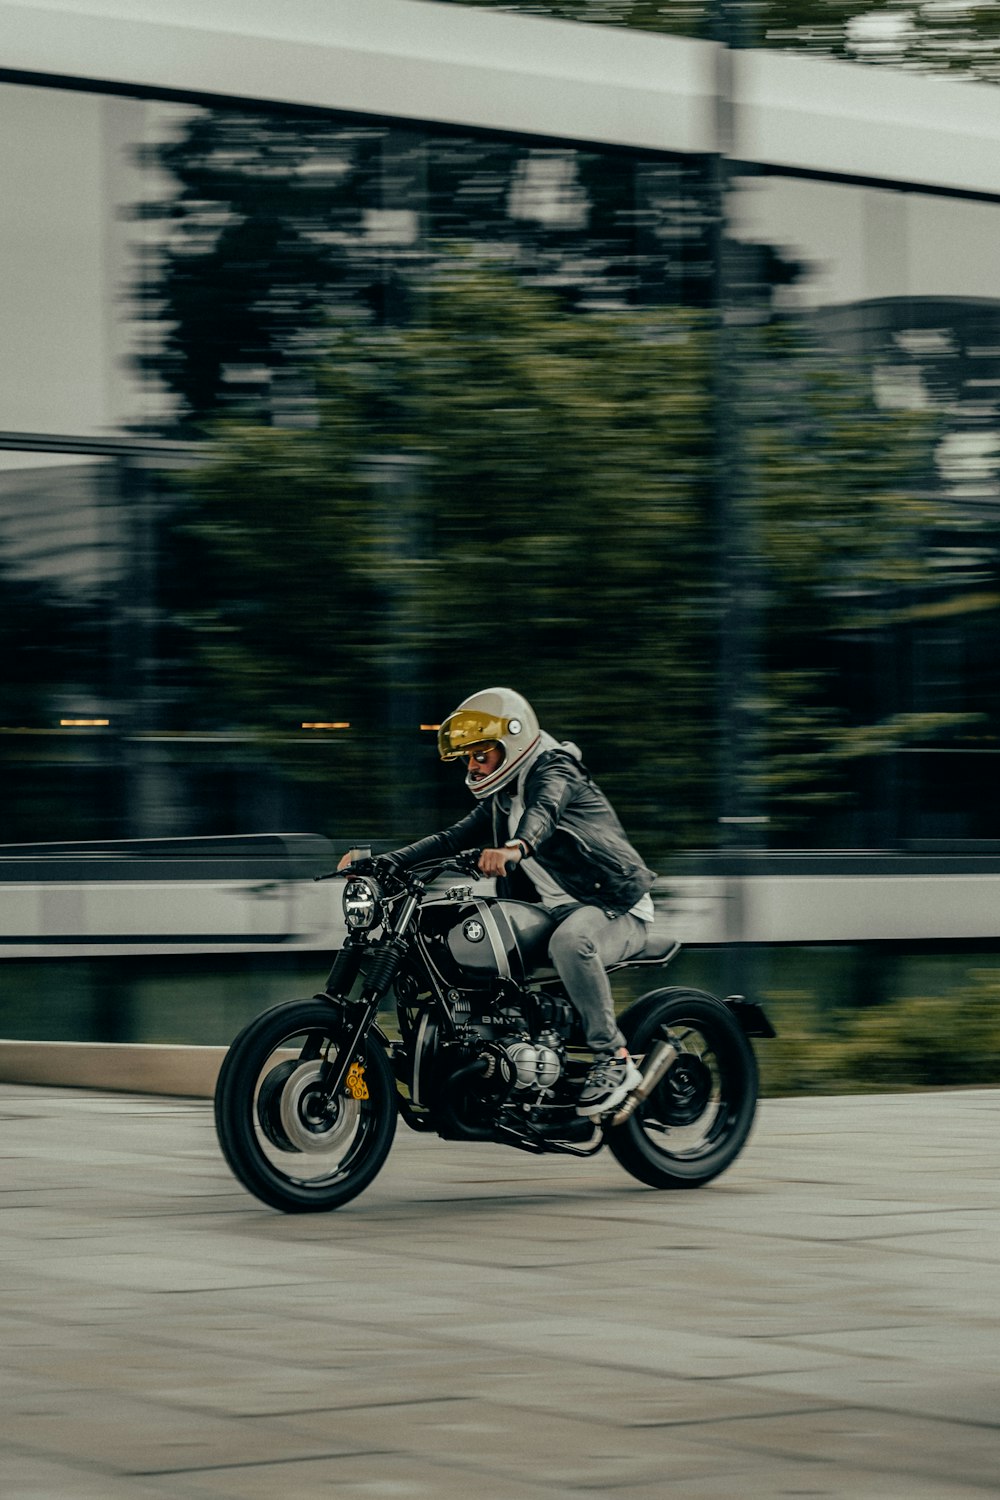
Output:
x,y
750,1015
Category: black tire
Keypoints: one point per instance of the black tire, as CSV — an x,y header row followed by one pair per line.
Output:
x,y
698,1118
279,1141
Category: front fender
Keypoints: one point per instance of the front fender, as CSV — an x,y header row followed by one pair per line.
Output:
x,y
374,1030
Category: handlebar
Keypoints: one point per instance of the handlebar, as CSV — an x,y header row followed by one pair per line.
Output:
x,y
465,862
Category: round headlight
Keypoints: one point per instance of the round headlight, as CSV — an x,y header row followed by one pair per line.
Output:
x,y
362,903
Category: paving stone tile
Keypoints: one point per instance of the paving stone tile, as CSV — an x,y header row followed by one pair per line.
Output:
x,y
876,1442
368,1477
891,1385
29,1477
637,1398
919,1344
627,1342
768,1479
126,1436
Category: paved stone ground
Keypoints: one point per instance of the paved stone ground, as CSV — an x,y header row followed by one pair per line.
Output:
x,y
822,1321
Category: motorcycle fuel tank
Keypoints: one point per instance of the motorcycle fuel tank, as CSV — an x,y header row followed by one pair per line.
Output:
x,y
485,939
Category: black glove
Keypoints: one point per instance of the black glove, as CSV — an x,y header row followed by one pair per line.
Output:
x,y
378,865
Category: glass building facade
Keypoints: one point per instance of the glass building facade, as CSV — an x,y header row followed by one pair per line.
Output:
x,y
355,360
344,417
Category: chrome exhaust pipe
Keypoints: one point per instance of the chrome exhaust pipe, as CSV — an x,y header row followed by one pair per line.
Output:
x,y
656,1064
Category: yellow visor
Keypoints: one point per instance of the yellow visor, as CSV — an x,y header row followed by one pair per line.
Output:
x,y
467,728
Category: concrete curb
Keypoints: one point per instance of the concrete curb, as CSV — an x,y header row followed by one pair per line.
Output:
x,y
130,1068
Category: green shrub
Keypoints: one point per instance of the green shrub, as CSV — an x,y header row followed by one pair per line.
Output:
x,y
941,1041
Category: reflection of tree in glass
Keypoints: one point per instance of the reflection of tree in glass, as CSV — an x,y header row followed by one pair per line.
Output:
x,y
861,556
512,491
259,235
544,530
278,222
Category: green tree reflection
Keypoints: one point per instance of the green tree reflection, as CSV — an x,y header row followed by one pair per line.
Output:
x,y
508,490
274,221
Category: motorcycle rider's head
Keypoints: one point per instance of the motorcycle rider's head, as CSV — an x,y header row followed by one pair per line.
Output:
x,y
494,731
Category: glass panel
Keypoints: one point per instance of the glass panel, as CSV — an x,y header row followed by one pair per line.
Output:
x,y
441,351
876,461
62,548
431,349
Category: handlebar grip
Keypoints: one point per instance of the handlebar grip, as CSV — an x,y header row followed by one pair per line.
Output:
x,y
468,860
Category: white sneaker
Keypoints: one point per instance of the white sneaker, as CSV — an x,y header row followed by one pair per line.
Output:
x,y
608,1082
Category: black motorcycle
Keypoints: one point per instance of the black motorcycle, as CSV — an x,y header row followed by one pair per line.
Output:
x,y
489,1048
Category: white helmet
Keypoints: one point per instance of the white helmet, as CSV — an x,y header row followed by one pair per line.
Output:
x,y
499,715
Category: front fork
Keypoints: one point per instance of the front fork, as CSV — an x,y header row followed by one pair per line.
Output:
x,y
381,965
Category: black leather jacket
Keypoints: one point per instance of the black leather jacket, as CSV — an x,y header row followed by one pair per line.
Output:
x,y
570,827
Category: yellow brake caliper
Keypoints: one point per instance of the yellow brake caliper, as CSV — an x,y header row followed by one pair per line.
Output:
x,y
355,1082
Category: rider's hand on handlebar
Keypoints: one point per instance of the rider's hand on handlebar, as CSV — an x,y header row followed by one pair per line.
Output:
x,y
355,863
496,861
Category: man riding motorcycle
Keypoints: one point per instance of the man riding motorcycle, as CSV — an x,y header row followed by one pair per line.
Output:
x,y
539,809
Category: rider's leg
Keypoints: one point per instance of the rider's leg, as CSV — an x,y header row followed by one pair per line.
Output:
x,y
585,941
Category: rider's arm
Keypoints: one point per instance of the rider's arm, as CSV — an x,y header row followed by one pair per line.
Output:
x,y
546,794
468,833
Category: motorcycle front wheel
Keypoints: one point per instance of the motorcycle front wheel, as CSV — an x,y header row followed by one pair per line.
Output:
x,y
696,1120
286,1142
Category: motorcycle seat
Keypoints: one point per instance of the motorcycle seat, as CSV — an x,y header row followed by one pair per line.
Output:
x,y
661,945
534,927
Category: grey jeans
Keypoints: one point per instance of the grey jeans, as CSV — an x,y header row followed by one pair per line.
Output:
x,y
584,942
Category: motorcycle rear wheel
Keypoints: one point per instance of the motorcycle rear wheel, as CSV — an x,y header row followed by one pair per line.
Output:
x,y
697,1119
281,1138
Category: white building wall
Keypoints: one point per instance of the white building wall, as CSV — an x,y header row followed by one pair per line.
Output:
x,y
420,60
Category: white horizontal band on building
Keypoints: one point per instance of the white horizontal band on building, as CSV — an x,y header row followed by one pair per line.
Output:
x,y
414,59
